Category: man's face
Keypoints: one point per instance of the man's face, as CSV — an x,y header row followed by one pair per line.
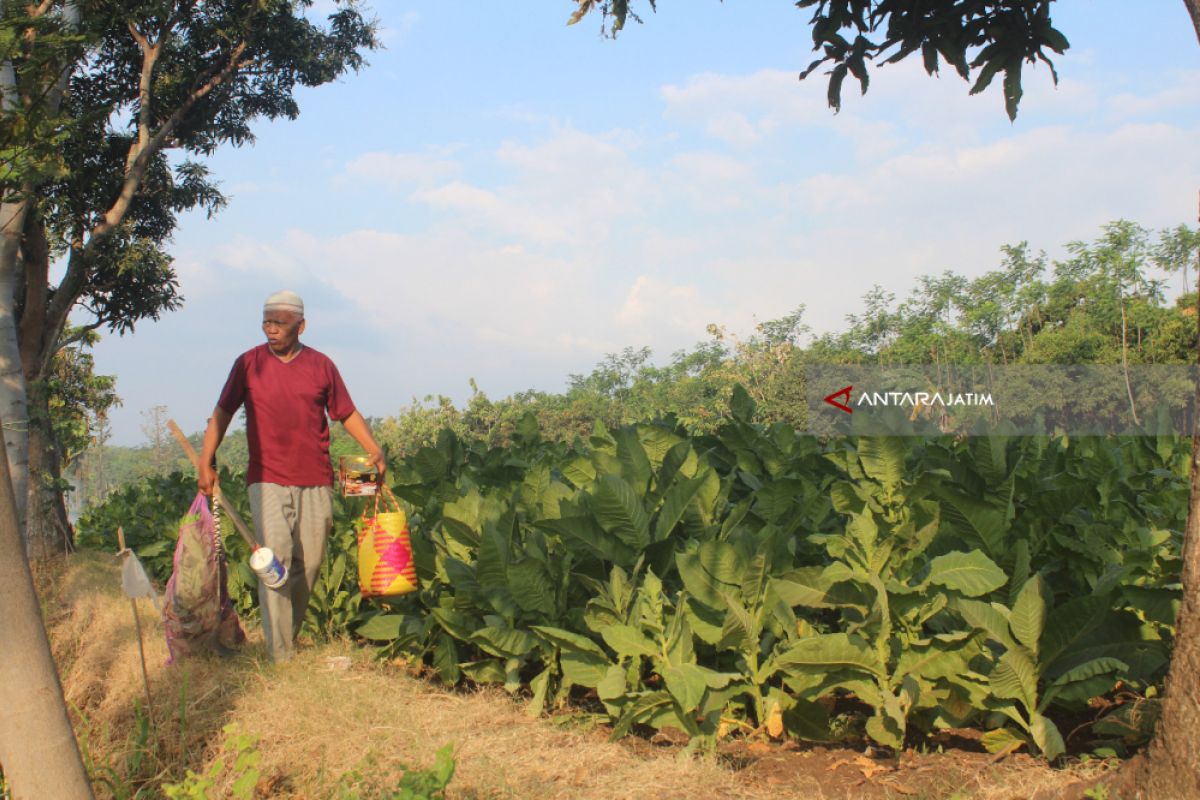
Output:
x,y
282,329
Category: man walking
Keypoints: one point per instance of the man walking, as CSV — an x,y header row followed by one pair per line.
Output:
x,y
287,388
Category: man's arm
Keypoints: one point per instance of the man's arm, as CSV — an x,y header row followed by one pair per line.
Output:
x,y
356,426
217,425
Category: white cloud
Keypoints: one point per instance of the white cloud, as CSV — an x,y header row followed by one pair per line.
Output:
x,y
533,255
570,188
402,170
1182,91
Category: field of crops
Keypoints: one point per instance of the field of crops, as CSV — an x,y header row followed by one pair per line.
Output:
x,y
757,580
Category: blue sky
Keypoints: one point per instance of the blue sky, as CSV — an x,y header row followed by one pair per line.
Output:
x,y
500,197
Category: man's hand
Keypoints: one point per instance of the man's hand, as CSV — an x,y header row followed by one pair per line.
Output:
x,y
356,426
379,462
213,434
207,480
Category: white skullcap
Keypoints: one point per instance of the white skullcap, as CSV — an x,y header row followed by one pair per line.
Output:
x,y
285,301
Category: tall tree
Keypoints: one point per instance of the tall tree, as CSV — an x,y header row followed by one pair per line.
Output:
x,y
981,39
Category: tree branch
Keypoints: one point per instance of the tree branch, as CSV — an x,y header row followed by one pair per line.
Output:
x,y
141,153
78,336
35,258
1193,7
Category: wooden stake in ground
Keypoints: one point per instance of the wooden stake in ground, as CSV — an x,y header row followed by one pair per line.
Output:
x,y
125,553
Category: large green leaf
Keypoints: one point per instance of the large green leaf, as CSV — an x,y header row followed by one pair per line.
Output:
x,y
845,498
640,710
935,660
831,651
1015,678
539,688
504,642
808,721
778,499
583,534
991,618
741,405
454,623
674,504
741,629
972,574
1001,739
1028,616
445,659
381,628
686,683
885,729
619,510
532,587
635,465
714,569
583,669
882,458
977,522
680,460
491,569
628,641
657,441
707,623
1047,737
806,586
1070,623
1091,669
612,686
488,670
568,640
432,465
579,472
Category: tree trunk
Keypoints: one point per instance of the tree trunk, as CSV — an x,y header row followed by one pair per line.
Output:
x,y
47,530
1193,7
13,402
38,750
1172,768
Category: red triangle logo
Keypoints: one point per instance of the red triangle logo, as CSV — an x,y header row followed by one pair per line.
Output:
x,y
845,392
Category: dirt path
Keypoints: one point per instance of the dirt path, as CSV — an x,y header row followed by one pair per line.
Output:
x,y
335,710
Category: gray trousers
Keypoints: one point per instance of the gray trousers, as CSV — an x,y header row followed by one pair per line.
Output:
x,y
294,521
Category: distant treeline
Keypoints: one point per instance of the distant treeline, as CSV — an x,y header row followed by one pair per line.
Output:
x,y
1105,304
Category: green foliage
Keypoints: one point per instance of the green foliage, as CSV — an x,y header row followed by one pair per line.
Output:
x,y
414,784
242,771
970,35
751,576
691,580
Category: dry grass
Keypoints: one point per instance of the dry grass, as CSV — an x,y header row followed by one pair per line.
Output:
x,y
315,722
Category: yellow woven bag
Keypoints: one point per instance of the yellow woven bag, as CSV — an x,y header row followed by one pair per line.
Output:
x,y
385,559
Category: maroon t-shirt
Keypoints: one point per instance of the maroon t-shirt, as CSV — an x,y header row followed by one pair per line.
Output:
x,y
286,426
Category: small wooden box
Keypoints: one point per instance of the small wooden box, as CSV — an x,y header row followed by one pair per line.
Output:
x,y
357,476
